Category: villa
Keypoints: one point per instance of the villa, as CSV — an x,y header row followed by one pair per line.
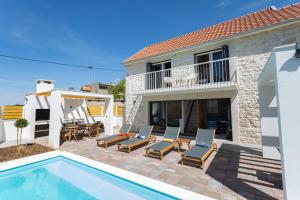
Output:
x,y
211,114
209,78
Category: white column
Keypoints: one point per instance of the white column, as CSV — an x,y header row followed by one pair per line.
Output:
x,y
57,104
287,83
29,114
235,118
108,124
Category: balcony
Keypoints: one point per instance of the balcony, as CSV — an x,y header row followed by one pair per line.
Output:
x,y
217,74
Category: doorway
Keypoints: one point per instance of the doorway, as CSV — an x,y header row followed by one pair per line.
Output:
x,y
165,113
209,114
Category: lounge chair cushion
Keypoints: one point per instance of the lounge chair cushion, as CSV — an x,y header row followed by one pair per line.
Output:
x,y
140,136
196,152
122,134
168,140
130,141
203,144
159,146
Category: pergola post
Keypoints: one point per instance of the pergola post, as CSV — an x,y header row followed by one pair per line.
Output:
x,y
57,104
108,125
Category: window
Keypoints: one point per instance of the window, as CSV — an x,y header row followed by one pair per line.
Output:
x,y
165,113
211,67
160,70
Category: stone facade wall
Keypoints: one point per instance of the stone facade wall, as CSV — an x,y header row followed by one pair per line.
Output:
x,y
252,53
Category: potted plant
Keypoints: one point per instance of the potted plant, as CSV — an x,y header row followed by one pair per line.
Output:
x,y
20,124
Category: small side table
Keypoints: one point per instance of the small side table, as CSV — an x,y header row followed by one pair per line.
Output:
x,y
132,134
152,139
182,141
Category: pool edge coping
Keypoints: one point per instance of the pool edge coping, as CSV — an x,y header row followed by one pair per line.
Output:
x,y
131,176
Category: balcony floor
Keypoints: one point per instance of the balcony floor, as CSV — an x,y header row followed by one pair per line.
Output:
x,y
233,172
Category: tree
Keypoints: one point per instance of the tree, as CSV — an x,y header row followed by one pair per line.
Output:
x,y
20,124
118,90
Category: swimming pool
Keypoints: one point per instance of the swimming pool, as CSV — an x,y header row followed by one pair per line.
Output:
x,y
61,177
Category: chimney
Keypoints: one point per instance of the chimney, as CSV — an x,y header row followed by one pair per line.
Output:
x,y
273,8
44,85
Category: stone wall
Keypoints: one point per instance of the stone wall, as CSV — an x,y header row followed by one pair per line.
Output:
x,y
252,53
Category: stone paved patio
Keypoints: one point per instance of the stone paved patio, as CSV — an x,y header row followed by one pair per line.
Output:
x,y
233,172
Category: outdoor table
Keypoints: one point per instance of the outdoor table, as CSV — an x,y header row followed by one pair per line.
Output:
x,y
152,139
70,130
132,134
181,141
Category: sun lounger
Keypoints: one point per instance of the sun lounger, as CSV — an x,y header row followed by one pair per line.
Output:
x,y
113,139
197,154
141,139
160,149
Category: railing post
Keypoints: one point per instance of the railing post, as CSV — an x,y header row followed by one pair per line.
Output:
x,y
211,71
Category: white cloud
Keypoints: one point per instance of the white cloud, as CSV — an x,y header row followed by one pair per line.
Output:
x,y
224,3
19,36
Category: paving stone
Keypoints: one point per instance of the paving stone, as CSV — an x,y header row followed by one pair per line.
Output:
x,y
233,172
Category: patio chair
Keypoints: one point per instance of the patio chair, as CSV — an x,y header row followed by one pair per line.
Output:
x,y
93,130
80,131
113,139
141,139
160,149
204,146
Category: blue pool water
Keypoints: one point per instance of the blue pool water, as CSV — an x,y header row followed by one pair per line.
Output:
x,y
62,178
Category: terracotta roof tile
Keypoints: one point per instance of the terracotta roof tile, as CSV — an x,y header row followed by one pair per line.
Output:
x,y
232,27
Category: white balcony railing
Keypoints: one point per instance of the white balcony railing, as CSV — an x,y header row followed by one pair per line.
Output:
x,y
208,75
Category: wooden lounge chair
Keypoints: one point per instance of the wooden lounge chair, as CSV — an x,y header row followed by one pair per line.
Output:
x,y
160,149
196,155
113,139
141,139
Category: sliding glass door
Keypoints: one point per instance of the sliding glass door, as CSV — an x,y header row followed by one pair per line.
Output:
x,y
211,68
158,116
173,113
159,71
165,113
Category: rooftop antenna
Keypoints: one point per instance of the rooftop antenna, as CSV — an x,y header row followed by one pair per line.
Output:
x,y
90,68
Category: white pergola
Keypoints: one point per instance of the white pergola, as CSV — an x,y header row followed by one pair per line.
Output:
x,y
279,94
59,101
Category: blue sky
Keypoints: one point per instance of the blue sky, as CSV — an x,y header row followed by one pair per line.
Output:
x,y
96,33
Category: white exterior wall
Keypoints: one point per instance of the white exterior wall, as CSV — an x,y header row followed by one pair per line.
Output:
x,y
252,53
32,103
8,132
282,76
2,133
269,121
287,86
